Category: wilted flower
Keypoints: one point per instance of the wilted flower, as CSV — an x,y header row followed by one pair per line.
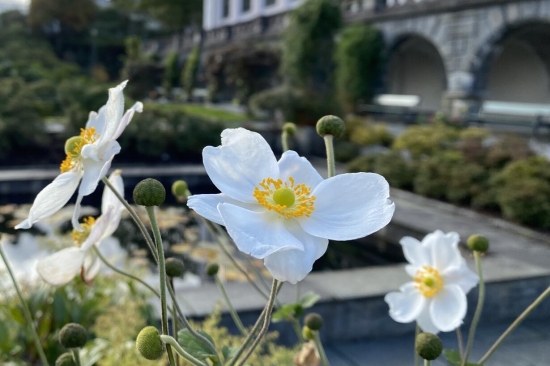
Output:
x,y
61,267
307,356
436,298
89,157
284,212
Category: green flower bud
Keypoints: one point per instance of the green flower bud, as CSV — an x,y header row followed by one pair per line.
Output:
x,y
66,359
307,333
314,321
149,192
180,189
149,344
289,128
331,125
478,243
174,267
73,335
428,346
212,269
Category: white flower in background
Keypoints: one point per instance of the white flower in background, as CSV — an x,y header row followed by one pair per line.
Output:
x,y
436,297
89,157
61,267
284,212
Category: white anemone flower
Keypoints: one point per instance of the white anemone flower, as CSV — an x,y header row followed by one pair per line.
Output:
x,y
88,160
436,297
61,267
284,212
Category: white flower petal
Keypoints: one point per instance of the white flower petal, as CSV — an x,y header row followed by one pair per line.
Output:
x,y
416,254
113,113
407,304
97,120
76,214
299,168
448,308
425,322
206,205
52,198
92,265
98,231
127,118
109,198
462,276
257,233
94,171
242,161
294,265
350,206
90,151
444,249
60,268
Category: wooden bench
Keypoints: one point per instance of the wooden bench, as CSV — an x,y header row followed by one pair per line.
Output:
x,y
400,105
534,116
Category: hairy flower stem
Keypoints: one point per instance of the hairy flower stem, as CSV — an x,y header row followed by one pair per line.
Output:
x,y
416,356
232,311
460,342
135,217
479,309
174,316
427,363
26,311
76,356
320,349
169,341
162,276
515,324
267,320
330,155
284,141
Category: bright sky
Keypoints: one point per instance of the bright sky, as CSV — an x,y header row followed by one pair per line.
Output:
x,y
13,4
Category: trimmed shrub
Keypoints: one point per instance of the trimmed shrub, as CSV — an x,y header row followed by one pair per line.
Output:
x,y
466,181
426,140
345,151
507,149
371,134
363,163
527,201
189,75
398,171
434,174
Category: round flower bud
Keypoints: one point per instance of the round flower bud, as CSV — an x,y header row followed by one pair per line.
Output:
x,y
314,321
149,192
73,335
428,346
289,128
179,188
174,267
149,344
212,269
307,333
66,359
478,243
331,125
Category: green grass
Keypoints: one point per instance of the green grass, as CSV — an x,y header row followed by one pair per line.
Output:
x,y
202,111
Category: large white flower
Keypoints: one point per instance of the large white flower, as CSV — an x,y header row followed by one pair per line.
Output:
x,y
61,267
436,298
89,157
284,212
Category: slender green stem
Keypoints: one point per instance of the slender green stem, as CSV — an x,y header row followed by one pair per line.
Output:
x,y
515,324
460,342
284,141
427,363
162,276
416,356
135,217
232,311
269,308
296,325
169,341
76,356
26,311
174,317
330,155
320,349
479,309
121,272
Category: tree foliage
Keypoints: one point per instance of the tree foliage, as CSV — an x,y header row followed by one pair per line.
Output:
x,y
358,59
72,14
171,71
189,75
173,14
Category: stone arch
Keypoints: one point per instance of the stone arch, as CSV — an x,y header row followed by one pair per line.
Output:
x,y
415,67
512,59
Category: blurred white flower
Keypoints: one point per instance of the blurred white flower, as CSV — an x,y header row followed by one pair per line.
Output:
x,y
436,298
284,212
61,267
89,157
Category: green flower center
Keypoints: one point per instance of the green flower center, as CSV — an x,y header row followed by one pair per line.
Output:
x,y
284,197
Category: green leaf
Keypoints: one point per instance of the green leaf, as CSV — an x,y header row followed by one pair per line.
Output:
x,y
309,299
194,346
229,352
287,312
453,358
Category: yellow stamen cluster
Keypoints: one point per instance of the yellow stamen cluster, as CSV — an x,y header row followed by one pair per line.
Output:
x,y
74,145
80,237
428,281
286,198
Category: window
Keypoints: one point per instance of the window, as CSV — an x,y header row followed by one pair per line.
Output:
x,y
246,6
225,8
